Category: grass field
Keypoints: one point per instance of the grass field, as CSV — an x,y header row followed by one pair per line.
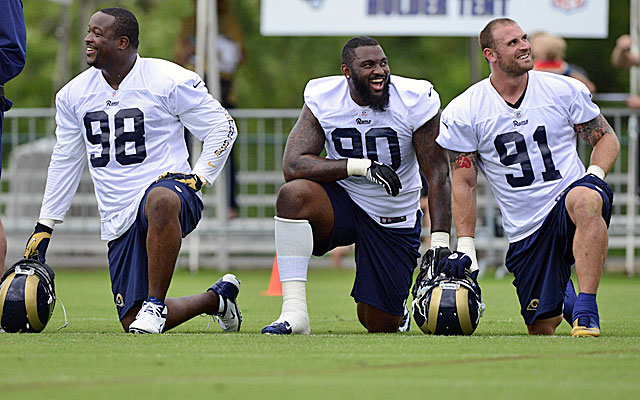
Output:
x,y
93,359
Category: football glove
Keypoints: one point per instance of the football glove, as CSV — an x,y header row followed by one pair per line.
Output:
x,y
454,265
384,175
428,265
191,180
38,242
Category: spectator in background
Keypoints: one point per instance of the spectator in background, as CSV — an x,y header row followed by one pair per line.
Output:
x,y
624,56
230,56
13,55
548,55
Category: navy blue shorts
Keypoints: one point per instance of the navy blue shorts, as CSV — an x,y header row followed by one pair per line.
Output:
x,y
385,257
541,263
128,253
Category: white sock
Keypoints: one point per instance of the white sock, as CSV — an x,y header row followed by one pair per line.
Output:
x,y
294,245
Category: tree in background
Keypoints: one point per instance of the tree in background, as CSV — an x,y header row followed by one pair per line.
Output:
x,y
277,68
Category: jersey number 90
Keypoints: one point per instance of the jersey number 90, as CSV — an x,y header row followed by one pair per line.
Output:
x,y
136,136
371,136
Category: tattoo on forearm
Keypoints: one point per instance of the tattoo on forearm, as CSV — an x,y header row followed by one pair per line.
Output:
x,y
459,160
593,130
301,154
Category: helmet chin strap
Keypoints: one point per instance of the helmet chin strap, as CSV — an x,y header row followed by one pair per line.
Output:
x,y
64,311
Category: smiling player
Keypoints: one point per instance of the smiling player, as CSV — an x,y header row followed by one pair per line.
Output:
x,y
125,117
520,128
378,130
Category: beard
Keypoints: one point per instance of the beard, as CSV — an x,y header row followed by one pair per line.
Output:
x,y
379,102
512,68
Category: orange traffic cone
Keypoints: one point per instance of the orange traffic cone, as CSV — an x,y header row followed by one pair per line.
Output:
x,y
275,286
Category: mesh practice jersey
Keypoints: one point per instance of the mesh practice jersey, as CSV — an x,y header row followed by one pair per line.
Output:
x,y
354,131
130,136
527,154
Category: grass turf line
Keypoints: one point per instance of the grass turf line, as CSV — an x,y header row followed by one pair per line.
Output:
x,y
93,358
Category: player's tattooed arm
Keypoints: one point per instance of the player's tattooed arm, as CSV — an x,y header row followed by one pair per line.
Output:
x,y
458,160
464,171
592,131
432,159
302,153
601,136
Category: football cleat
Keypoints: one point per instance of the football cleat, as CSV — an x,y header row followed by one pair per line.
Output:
x,y
291,323
151,317
227,289
585,326
278,328
405,325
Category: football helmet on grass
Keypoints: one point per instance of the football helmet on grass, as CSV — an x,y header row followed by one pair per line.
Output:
x,y
444,304
27,296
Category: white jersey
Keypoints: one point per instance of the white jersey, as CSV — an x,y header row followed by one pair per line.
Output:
x,y
354,131
527,154
130,136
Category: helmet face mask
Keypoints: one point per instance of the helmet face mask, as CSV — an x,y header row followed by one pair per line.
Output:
x,y
27,296
445,305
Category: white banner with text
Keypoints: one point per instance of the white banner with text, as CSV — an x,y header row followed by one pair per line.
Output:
x,y
567,18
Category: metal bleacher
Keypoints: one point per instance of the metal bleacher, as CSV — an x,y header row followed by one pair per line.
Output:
x,y
247,241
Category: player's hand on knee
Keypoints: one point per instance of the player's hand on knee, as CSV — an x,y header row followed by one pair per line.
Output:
x,y
595,175
38,242
191,180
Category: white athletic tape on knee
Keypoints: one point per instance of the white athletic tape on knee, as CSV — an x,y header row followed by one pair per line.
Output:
x,y
294,245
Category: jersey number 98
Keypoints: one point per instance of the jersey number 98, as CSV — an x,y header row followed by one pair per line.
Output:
x,y
136,136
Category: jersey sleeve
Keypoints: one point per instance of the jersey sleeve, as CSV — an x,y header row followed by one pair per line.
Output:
x,y
208,121
583,109
426,106
67,163
313,94
456,132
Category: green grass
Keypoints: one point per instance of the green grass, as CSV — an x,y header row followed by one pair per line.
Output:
x,y
93,359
